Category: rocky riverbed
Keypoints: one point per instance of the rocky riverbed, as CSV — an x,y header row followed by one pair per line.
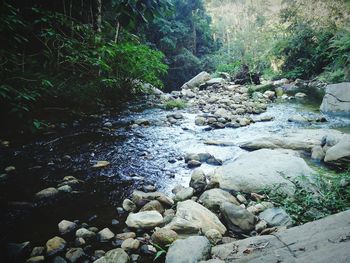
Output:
x,y
123,187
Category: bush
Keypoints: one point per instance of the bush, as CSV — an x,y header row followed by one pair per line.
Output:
x,y
172,104
328,195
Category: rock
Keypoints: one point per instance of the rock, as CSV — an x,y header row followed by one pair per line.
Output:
x,y
105,235
271,167
79,242
269,94
242,199
101,164
298,119
200,216
59,259
212,261
198,181
317,153
339,154
214,236
188,93
138,196
85,234
123,236
164,236
37,251
197,80
153,205
276,217
144,220
17,252
215,81
262,225
10,169
337,98
65,189
213,198
148,250
129,205
190,250
149,188
117,255
200,121
135,258
177,189
237,218
193,164
99,253
182,226
300,95
143,122
75,255
108,124
65,227
47,194
55,245
184,194
130,244
37,259
258,208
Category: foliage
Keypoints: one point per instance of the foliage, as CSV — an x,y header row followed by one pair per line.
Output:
x,y
160,252
176,103
327,195
230,68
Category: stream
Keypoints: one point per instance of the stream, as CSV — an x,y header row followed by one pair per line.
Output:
x,y
146,155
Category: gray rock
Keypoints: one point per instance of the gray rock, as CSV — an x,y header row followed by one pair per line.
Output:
x,y
85,234
117,255
214,236
184,194
271,167
194,163
129,205
200,121
212,261
130,244
65,227
105,235
339,154
123,236
197,80
317,153
182,226
213,198
37,251
144,220
276,217
138,196
47,194
55,245
215,81
59,259
298,119
36,259
337,98
190,250
75,255
153,205
164,236
262,225
198,181
237,218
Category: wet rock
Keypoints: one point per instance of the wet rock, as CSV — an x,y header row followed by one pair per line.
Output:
x,y
17,252
10,169
300,95
129,205
276,217
269,166
105,235
47,194
193,164
144,220
184,194
237,218
213,198
153,205
214,236
200,121
93,229
337,98
269,94
55,245
130,244
190,250
36,259
144,122
123,236
75,255
117,255
164,236
87,235
317,153
65,227
198,181
199,216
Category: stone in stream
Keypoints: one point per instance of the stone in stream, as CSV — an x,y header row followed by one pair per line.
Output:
x,y
337,98
65,227
184,194
198,216
276,217
47,194
190,250
198,181
86,234
271,168
164,236
55,245
105,235
130,244
213,198
153,205
129,205
317,153
237,218
200,121
117,255
75,255
339,154
36,259
138,196
193,164
144,220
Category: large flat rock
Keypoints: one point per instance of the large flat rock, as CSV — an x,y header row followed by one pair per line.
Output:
x,y
254,171
337,98
322,241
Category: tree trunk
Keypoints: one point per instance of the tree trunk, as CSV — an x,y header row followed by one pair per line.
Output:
x,y
99,16
117,30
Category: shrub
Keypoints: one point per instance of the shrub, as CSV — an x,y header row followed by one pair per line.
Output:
x,y
171,104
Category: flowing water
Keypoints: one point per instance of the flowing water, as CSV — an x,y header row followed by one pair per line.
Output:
x,y
137,156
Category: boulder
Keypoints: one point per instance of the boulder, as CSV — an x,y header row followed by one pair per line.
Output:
x,y
105,235
213,198
55,245
129,205
144,220
237,218
198,181
271,167
182,226
337,98
184,194
200,216
164,236
276,217
339,154
197,80
190,250
153,205
65,227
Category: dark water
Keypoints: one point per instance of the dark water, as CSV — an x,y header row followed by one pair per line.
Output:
x,y
137,157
